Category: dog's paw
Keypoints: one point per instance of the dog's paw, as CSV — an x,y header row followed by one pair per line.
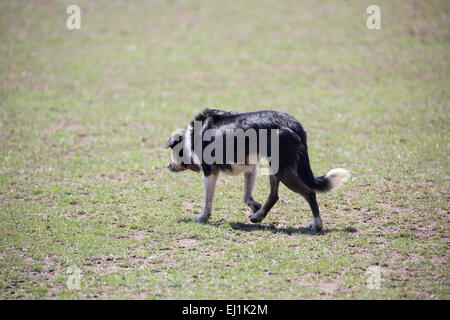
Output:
x,y
201,219
316,226
257,217
255,206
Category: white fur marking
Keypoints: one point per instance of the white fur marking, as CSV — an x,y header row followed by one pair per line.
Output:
x,y
188,145
237,169
337,177
187,140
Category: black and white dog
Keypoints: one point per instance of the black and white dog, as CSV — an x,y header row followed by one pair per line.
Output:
x,y
230,142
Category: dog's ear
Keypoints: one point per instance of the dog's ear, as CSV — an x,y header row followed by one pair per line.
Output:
x,y
170,143
175,137
173,140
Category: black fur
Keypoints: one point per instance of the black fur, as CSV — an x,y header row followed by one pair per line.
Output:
x,y
293,153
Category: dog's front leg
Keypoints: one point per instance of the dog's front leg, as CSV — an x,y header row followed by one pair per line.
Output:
x,y
210,187
249,185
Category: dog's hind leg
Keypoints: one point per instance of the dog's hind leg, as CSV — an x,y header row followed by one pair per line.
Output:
x,y
293,182
317,224
259,215
210,187
249,185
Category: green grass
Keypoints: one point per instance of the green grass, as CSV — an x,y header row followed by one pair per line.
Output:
x,y
84,115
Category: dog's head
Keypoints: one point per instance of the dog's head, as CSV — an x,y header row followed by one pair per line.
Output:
x,y
180,161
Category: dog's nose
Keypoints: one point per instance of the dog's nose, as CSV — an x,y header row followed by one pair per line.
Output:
x,y
172,167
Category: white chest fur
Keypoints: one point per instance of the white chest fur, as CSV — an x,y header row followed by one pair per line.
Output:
x,y
237,169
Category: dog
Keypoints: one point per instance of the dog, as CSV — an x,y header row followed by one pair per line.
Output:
x,y
286,151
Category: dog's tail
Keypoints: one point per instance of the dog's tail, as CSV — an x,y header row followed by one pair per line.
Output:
x,y
333,179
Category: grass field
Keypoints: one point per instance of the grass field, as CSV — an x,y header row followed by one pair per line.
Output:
x,y
84,116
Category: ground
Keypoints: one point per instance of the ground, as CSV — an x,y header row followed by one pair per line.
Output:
x,y
84,115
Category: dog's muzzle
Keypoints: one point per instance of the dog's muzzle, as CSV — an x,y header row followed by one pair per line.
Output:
x,y
175,167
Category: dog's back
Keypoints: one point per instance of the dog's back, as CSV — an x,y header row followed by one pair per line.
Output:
x,y
291,143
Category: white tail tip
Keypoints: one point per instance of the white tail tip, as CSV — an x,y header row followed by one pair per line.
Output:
x,y
337,177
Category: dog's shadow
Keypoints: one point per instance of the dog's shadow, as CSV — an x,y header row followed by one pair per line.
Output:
x,y
250,227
